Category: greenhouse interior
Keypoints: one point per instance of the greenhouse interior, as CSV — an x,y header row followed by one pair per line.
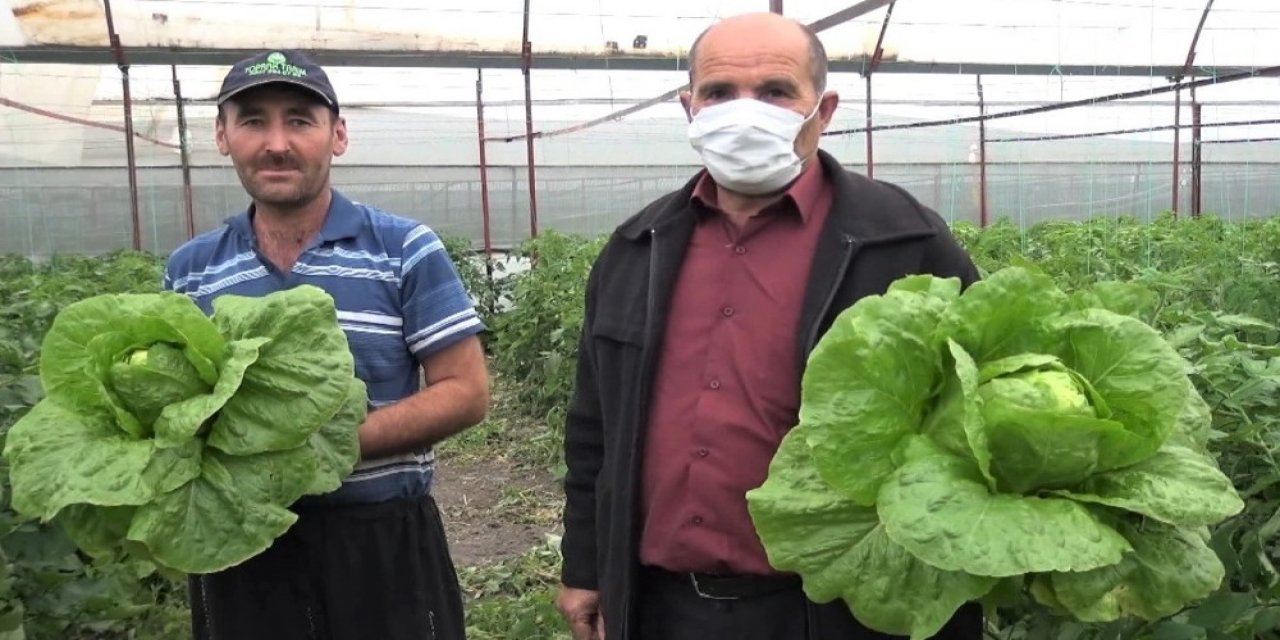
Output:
x,y
1109,161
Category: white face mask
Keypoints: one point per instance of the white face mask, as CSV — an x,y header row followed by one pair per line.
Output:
x,y
747,145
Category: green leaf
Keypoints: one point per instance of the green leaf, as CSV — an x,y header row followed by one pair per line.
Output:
x,y
98,531
939,508
1195,422
273,477
1042,448
1176,486
1141,377
944,289
65,360
166,377
1222,609
1125,298
336,446
866,387
172,467
58,457
211,523
1174,630
1018,364
299,380
840,550
1004,315
974,425
182,421
1168,568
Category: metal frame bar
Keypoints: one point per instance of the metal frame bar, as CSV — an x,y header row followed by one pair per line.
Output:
x,y
1187,69
844,15
117,50
1196,158
775,6
871,69
1071,104
663,61
526,53
982,157
184,152
94,124
484,166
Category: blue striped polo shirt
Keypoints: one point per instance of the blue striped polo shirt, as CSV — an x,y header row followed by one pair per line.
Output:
x,y
399,300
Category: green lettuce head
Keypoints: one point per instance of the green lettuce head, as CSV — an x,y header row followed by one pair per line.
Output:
x,y
1011,435
181,438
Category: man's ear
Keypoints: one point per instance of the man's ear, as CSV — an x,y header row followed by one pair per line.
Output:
x,y
220,134
340,140
827,107
686,101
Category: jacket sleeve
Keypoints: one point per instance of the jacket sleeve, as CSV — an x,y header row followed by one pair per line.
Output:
x,y
584,457
945,257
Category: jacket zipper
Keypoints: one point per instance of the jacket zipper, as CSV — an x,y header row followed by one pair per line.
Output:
x,y
846,256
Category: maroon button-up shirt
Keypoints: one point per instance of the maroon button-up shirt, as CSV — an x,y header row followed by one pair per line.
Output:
x,y
727,387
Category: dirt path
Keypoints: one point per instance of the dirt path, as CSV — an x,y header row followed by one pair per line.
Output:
x,y
492,509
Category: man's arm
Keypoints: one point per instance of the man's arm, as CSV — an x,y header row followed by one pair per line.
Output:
x,y
456,397
579,599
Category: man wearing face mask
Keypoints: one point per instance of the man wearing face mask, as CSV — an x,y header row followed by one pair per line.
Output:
x,y
700,314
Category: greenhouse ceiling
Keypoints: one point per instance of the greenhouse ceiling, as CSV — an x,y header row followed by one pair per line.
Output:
x,y
1067,37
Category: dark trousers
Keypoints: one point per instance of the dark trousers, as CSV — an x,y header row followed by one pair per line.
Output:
x,y
340,573
671,609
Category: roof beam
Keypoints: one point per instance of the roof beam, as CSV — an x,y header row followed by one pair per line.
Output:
x,y
141,56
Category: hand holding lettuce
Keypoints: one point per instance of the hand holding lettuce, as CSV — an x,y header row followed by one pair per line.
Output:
x,y
1008,436
181,438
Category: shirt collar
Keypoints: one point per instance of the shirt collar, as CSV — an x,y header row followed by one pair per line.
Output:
x,y
803,194
343,220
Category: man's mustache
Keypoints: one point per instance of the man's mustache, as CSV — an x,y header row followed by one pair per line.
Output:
x,y
275,163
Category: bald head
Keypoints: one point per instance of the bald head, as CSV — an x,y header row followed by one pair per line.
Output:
x,y
768,30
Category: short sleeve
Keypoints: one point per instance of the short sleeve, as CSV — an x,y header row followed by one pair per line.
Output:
x,y
170,275
437,310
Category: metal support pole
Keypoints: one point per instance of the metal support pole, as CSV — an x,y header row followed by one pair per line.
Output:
x,y
526,56
1177,144
184,152
871,165
982,158
128,127
871,69
1196,159
775,6
1187,70
484,164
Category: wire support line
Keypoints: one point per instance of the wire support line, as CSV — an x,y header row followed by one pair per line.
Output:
x,y
1084,102
20,106
1117,132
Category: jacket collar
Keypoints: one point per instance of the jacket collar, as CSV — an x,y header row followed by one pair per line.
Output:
x,y
858,209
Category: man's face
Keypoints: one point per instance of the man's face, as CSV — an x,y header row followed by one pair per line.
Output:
x,y
765,58
281,141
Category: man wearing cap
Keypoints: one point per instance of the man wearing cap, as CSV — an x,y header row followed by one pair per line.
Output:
x,y
369,560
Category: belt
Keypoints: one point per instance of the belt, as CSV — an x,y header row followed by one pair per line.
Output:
x,y
713,586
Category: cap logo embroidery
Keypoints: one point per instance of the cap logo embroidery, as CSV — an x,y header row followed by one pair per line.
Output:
x,y
276,64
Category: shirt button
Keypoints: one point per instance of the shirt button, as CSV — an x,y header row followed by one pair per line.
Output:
x,y
739,249
714,384
702,453
697,519
727,311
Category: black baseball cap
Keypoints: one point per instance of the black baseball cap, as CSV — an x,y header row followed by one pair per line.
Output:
x,y
271,67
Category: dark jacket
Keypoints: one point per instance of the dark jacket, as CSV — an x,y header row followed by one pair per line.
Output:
x,y
875,233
